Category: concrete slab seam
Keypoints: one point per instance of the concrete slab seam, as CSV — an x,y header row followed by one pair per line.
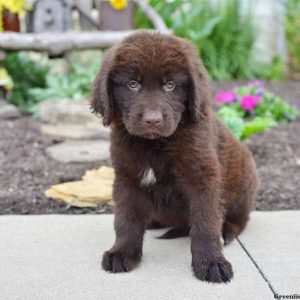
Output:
x,y
257,267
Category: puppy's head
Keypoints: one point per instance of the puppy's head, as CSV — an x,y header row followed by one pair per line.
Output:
x,y
150,81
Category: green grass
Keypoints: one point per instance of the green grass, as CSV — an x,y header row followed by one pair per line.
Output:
x,y
224,37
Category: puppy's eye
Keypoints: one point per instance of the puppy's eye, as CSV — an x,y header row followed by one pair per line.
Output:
x,y
133,85
169,86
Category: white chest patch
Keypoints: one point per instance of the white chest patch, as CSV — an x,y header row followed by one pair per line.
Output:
x,y
148,177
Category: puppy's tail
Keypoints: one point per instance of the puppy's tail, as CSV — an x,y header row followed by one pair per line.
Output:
x,y
174,233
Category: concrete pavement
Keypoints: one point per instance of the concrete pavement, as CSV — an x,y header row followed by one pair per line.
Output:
x,y
59,256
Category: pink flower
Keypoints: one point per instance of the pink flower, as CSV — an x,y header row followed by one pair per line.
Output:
x,y
226,97
248,102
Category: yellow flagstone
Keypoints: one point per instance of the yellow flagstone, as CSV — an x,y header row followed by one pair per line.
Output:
x,y
95,188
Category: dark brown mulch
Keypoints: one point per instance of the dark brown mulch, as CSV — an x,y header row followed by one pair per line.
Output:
x,y
26,172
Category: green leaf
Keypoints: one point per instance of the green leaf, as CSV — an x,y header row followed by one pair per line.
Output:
x,y
232,120
227,111
236,125
258,124
208,28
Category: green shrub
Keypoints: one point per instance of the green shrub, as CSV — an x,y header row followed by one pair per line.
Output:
x,y
25,73
73,84
224,37
34,82
292,29
250,108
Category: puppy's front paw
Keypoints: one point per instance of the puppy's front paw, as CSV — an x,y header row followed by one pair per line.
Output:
x,y
117,262
213,270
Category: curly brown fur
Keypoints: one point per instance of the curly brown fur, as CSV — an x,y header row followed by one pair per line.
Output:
x,y
175,163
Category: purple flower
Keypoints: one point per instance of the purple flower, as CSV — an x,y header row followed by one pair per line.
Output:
x,y
226,97
248,102
260,92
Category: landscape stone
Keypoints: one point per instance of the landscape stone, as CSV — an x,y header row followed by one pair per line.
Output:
x,y
93,189
67,111
80,151
8,111
76,131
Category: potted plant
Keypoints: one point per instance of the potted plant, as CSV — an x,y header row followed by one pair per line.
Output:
x,y
10,10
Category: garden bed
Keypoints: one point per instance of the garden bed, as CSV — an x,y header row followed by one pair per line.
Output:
x,y
26,171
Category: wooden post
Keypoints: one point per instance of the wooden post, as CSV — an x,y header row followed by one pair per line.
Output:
x,y
49,16
111,19
84,7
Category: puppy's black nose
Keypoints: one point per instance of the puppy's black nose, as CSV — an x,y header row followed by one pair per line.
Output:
x,y
152,117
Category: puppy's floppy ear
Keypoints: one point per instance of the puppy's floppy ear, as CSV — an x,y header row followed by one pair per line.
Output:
x,y
199,90
102,100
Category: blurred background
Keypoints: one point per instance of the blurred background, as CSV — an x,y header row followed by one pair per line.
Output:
x,y
51,50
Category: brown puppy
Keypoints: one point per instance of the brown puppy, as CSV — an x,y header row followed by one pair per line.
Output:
x,y
175,163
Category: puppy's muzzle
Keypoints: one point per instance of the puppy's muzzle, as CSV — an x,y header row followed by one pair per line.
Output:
x,y
152,118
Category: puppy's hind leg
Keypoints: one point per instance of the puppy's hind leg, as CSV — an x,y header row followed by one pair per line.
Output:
x,y
231,230
236,218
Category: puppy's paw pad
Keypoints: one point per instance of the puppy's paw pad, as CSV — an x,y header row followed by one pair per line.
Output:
x,y
216,271
118,262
